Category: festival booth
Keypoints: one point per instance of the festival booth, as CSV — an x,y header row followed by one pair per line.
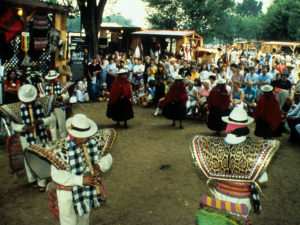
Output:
x,y
32,42
280,46
186,44
32,35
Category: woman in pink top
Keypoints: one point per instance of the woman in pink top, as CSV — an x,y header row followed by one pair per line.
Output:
x,y
202,99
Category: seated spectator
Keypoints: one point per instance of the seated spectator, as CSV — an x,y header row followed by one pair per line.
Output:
x,y
293,120
103,93
185,70
212,78
284,83
250,96
146,99
141,93
236,95
192,99
194,73
11,87
297,91
151,74
82,91
147,86
202,98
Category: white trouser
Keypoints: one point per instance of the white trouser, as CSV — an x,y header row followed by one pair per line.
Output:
x,y
30,175
61,119
67,214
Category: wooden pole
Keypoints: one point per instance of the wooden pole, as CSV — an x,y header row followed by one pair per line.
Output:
x,y
86,153
32,120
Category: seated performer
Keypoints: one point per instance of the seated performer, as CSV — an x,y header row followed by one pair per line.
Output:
x,y
78,188
32,130
53,87
174,104
119,106
267,114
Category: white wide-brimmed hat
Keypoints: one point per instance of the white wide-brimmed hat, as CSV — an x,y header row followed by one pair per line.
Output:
x,y
27,93
267,88
290,65
122,71
220,81
238,116
178,77
52,74
80,126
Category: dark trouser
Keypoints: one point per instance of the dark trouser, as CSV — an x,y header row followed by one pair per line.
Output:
x,y
292,125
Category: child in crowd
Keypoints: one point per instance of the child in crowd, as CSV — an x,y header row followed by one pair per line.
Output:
x,y
103,93
146,99
81,92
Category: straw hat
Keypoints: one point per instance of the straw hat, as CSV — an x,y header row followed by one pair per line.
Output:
x,y
238,116
290,65
220,81
27,93
80,126
178,77
122,71
267,88
64,70
52,74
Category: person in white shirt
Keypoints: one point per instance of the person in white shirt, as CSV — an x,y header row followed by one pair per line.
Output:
x,y
138,71
79,186
81,92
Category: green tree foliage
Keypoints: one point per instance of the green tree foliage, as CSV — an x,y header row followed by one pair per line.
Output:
x,y
206,17
249,8
282,21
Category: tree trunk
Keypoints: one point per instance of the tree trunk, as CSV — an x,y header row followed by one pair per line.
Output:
x,y
91,18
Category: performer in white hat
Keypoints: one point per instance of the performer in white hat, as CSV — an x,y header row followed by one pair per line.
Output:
x,y
174,104
236,162
32,130
53,87
79,187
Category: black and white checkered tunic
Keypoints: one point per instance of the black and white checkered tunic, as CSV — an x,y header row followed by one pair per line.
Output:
x,y
38,114
84,198
57,92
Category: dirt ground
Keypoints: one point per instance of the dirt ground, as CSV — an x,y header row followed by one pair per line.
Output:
x,y
140,192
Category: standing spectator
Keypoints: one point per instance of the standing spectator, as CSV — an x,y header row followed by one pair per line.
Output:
x,y
192,97
11,87
111,73
151,74
147,65
102,76
94,70
202,98
297,91
138,71
251,77
185,70
160,81
263,79
267,114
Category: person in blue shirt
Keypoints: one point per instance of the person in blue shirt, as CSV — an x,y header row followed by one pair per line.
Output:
x,y
251,77
263,79
293,120
250,96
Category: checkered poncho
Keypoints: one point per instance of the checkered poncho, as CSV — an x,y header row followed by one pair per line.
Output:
x,y
85,197
38,114
57,92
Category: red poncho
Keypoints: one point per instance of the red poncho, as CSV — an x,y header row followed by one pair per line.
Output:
x,y
267,109
218,98
120,87
178,94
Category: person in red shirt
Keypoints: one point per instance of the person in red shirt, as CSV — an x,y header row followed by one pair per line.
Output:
x,y
11,87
